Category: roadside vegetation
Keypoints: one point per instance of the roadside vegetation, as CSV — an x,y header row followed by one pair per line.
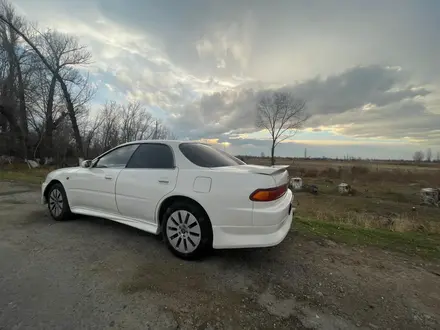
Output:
x,y
22,173
420,244
383,210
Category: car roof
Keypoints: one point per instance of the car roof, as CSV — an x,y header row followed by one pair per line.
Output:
x,y
169,142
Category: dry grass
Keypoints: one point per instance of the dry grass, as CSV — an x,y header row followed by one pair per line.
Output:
x,y
388,205
361,174
384,211
371,165
386,194
21,172
419,244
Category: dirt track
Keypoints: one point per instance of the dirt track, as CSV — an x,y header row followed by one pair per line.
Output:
x,y
94,274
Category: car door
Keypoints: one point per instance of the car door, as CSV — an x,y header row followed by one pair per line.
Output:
x,y
149,176
94,187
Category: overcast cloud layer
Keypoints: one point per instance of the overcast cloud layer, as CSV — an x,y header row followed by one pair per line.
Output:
x,y
369,70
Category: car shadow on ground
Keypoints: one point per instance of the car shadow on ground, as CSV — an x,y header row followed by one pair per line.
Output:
x,y
240,256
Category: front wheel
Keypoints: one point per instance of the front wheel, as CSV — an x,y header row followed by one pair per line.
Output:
x,y
57,202
187,231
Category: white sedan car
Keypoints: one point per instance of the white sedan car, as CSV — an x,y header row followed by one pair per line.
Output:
x,y
195,195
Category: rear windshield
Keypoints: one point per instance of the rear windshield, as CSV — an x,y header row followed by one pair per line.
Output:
x,y
204,155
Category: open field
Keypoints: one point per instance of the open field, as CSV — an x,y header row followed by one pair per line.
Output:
x,y
332,163
384,209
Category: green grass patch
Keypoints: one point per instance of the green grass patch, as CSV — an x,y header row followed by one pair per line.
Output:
x,y
36,175
411,243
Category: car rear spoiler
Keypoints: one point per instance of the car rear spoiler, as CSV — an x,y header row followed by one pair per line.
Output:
x,y
272,170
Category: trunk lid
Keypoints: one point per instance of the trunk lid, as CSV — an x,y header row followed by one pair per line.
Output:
x,y
278,172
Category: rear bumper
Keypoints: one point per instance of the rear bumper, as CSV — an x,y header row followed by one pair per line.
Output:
x,y
229,237
251,237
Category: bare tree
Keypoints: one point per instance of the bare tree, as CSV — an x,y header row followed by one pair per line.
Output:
x,y
428,155
13,106
90,129
418,156
50,65
44,97
116,124
109,134
161,132
282,115
64,53
136,123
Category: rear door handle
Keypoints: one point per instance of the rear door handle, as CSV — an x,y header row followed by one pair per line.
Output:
x,y
108,177
164,181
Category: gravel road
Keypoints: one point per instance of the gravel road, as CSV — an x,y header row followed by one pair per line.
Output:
x,y
94,274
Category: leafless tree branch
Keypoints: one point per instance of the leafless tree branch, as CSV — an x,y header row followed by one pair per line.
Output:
x,y
282,115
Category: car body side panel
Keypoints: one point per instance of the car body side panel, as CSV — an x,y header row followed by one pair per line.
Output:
x,y
94,188
138,191
63,175
227,202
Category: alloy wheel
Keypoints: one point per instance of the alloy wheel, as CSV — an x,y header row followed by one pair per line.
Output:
x,y
183,231
56,202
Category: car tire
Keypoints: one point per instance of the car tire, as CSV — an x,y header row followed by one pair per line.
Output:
x,y
187,231
57,203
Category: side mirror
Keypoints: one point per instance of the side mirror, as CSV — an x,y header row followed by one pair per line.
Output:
x,y
86,163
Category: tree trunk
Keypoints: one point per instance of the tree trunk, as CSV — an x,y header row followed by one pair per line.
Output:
x,y
272,154
49,127
8,110
70,107
72,116
15,128
22,111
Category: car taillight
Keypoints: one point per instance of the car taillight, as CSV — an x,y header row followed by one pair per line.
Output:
x,y
268,194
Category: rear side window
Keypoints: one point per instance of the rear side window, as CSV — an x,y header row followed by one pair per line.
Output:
x,y
152,155
206,156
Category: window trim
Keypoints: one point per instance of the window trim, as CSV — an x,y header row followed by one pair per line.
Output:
x,y
150,168
97,159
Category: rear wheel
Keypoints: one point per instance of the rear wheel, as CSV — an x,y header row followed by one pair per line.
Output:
x,y
57,202
187,231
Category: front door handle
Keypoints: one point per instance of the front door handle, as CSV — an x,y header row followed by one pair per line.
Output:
x,y
108,177
164,181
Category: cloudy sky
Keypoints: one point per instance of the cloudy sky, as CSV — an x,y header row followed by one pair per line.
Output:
x,y
369,70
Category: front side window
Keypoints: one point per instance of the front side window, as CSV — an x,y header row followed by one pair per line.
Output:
x,y
117,158
206,156
152,155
